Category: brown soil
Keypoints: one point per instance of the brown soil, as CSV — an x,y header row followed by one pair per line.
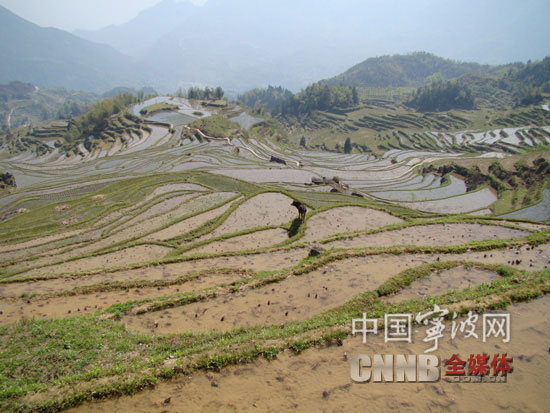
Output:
x,y
346,219
319,379
37,241
334,284
194,205
161,207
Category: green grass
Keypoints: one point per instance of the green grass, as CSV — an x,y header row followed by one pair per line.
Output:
x,y
157,107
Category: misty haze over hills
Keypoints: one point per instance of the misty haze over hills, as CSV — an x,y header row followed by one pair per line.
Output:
x,y
242,44
49,57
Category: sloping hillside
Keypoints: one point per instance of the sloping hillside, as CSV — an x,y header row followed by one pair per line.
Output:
x,y
405,70
50,58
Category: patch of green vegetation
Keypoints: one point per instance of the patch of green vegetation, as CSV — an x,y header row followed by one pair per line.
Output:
x,y
215,126
440,96
516,188
218,103
157,107
7,181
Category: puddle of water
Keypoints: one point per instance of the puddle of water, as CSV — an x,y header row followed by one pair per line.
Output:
x,y
262,210
346,219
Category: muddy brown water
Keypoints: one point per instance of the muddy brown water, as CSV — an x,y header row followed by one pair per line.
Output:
x,y
140,253
438,283
37,241
262,210
255,240
319,379
187,225
300,297
437,234
54,307
258,262
296,298
346,219
139,229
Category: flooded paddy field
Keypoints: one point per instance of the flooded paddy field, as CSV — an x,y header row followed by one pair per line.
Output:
x,y
178,271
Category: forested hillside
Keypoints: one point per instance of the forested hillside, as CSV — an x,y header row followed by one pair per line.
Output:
x,y
405,70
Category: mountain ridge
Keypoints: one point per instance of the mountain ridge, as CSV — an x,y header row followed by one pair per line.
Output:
x,y
49,57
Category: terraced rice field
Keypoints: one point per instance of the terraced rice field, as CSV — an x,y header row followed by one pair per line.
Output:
x,y
201,290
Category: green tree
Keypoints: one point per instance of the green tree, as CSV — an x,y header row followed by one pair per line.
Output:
x,y
355,96
347,145
218,92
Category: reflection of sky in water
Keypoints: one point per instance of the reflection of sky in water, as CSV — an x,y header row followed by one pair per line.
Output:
x,y
539,212
456,187
175,118
23,179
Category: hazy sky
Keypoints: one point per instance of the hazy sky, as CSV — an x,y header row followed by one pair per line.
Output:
x,y
79,14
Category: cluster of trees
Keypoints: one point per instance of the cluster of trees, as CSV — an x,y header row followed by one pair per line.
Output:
x,y
319,96
270,98
525,82
7,180
68,110
536,75
529,82
498,177
95,120
203,94
439,95
410,70
16,90
142,94
526,95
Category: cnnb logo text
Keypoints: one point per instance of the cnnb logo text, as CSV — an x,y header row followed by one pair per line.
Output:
x,y
395,368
